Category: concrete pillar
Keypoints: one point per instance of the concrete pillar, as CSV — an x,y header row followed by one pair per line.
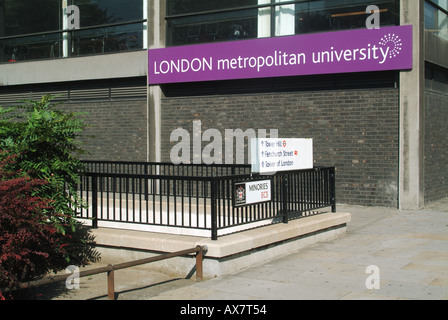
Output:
x,y
156,39
411,167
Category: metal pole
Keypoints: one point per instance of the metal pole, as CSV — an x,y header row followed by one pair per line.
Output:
x,y
111,283
214,210
199,269
110,270
285,199
146,181
94,202
333,188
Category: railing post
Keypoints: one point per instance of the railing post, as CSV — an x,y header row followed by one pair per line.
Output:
x,y
94,201
146,189
333,189
285,198
199,269
214,210
111,283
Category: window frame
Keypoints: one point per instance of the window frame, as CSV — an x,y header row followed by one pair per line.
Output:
x,y
435,5
272,5
63,32
437,8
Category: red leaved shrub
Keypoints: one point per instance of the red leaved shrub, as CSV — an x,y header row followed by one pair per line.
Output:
x,y
30,246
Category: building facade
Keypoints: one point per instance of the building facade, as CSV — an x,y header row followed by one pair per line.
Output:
x,y
383,128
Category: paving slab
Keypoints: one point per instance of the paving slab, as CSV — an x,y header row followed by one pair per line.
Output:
x,y
410,249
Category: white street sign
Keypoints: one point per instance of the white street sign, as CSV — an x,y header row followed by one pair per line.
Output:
x,y
252,192
273,155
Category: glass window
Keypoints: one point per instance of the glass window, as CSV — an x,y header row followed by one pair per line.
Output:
x,y
124,37
436,78
198,21
99,12
285,18
27,48
441,3
24,16
322,16
177,7
31,30
233,25
127,37
436,18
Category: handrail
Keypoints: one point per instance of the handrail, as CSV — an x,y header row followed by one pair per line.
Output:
x,y
202,202
44,33
110,270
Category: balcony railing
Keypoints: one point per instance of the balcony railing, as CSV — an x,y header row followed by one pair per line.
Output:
x,y
111,38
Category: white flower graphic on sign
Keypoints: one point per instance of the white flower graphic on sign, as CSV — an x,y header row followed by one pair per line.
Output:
x,y
394,43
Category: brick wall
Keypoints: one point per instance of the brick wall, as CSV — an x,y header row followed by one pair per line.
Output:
x,y
357,131
436,146
115,130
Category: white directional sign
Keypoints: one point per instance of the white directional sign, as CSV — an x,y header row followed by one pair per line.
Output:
x,y
272,155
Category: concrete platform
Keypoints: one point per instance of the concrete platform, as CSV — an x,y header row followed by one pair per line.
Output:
x,y
410,248
229,253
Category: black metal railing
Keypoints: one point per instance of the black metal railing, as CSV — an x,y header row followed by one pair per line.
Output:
x,y
68,43
161,168
197,196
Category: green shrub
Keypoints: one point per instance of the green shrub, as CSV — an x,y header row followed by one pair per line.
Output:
x,y
39,145
47,143
29,245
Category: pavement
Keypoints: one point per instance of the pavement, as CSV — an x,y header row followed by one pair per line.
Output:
x,y
386,254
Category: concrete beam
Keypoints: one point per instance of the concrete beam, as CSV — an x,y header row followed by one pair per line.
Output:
x,y
110,66
156,39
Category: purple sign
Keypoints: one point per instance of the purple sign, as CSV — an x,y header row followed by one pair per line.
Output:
x,y
362,50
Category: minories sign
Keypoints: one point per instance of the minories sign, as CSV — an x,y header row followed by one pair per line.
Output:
x,y
252,192
362,50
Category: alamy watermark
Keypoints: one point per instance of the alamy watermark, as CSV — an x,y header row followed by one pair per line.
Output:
x,y
373,280
374,20
72,282
228,148
71,16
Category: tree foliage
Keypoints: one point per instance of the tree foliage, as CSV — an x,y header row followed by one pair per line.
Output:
x,y
29,245
46,142
39,173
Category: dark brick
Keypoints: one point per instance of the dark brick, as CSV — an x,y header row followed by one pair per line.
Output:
x,y
436,146
115,130
357,131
